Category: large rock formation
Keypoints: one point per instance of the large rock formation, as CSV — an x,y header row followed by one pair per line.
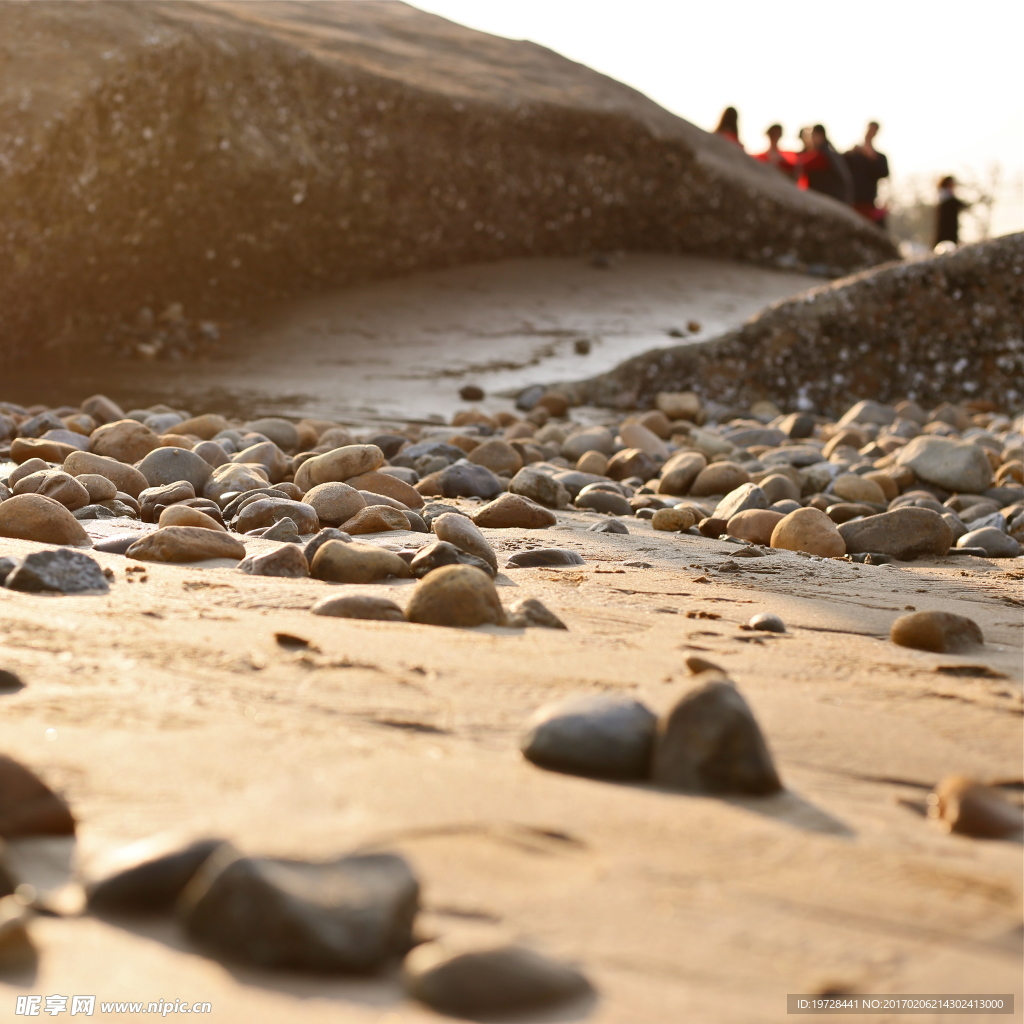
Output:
x,y
212,153
934,330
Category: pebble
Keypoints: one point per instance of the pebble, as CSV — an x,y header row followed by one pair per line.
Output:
x,y
376,519
99,488
710,742
284,530
9,681
119,543
673,520
954,465
28,807
636,435
852,487
326,534
597,736
147,877
631,462
125,440
767,621
282,432
63,571
539,487
350,915
232,477
993,541
970,808
433,556
544,557
592,462
185,544
471,393
491,982
810,530
267,511
352,562
25,448
168,465
359,606
509,511
56,484
39,518
464,479
589,439
942,632
744,498
719,478
755,525
205,427
125,478
286,560
456,595
464,534
531,612
185,515
498,456
603,501
904,533
609,526
387,486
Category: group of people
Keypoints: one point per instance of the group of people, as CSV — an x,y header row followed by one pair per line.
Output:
x,y
851,177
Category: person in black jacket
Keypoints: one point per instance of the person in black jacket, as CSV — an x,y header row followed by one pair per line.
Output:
x,y
867,168
947,212
824,169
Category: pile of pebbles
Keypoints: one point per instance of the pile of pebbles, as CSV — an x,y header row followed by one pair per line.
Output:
x,y
881,484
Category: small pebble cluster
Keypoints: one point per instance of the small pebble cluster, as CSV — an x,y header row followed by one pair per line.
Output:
x,y
882,483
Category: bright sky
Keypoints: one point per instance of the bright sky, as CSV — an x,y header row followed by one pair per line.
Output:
x,y
943,78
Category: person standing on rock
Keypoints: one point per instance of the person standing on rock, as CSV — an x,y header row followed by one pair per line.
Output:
x,y
947,212
867,168
729,126
785,163
824,169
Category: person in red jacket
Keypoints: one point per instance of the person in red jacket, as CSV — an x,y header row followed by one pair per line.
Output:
x,y
783,162
729,126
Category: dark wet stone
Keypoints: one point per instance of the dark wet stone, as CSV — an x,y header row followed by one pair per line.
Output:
x,y
287,561
149,878
232,506
433,556
359,606
540,557
797,425
471,393
6,566
844,511
351,915
433,509
604,501
710,742
118,544
573,480
490,983
389,444
529,397
464,479
598,736
609,526
63,571
942,632
328,533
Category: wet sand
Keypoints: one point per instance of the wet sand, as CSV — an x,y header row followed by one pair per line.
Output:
x,y
403,348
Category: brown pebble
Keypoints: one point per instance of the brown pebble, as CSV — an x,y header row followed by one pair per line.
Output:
x,y
942,632
972,809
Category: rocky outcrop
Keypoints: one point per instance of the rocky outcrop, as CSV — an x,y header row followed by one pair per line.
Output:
x,y
934,330
211,154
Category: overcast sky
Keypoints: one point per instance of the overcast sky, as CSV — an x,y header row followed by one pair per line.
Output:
x,y
943,78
